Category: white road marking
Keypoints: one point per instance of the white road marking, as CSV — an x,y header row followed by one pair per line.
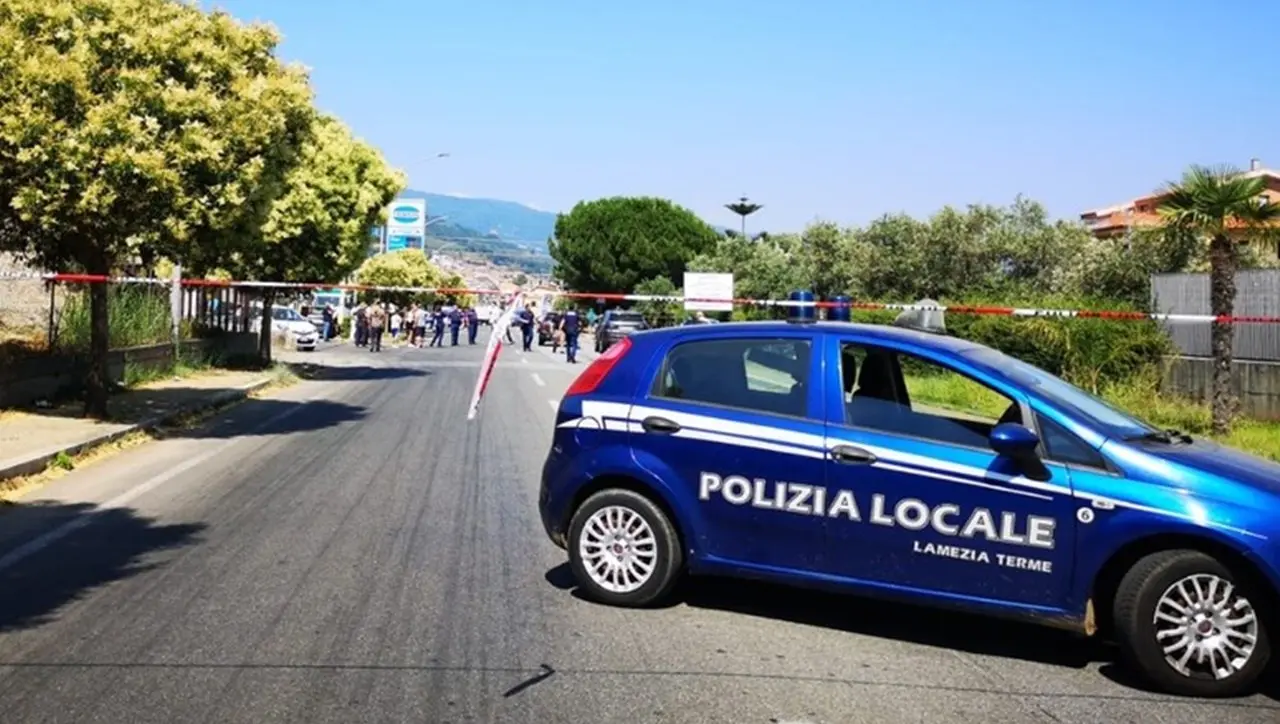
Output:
x,y
554,405
120,501
538,380
524,360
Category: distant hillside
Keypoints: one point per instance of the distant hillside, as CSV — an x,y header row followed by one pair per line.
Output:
x,y
509,220
458,238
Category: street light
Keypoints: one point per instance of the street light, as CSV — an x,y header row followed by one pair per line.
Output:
x,y
744,208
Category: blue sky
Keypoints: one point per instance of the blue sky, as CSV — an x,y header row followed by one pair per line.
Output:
x,y
839,110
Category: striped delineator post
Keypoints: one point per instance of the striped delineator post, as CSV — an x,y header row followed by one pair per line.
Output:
x,y
491,353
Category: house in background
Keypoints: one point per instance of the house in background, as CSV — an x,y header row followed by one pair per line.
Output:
x,y
1116,221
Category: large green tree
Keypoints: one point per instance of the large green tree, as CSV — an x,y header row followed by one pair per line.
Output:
x,y
614,244
318,229
403,268
138,127
1226,207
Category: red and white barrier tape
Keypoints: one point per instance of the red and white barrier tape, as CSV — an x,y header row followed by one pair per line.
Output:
x,y
620,297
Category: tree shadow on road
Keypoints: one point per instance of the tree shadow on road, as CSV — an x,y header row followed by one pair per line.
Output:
x,y
957,631
104,545
343,373
267,416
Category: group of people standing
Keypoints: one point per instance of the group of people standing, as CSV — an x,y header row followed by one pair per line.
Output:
x,y
568,328
373,320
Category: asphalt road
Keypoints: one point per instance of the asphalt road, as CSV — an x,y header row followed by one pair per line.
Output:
x,y
352,550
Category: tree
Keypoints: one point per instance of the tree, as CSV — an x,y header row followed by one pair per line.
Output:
x,y
520,280
1225,207
403,268
138,127
318,228
615,243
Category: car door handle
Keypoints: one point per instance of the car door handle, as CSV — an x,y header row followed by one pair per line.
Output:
x,y
850,455
660,425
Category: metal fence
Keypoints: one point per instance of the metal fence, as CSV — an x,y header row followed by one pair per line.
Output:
x,y
1257,295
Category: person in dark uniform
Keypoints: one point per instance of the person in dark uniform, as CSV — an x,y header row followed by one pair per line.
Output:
x,y
437,327
362,326
455,324
526,327
571,325
473,324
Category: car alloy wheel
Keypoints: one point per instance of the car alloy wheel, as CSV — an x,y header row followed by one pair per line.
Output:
x,y
1206,627
623,549
1189,625
618,549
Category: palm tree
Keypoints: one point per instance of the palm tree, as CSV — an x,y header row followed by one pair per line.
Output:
x,y
1224,206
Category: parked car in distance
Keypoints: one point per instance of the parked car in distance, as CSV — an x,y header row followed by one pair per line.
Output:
x,y
617,324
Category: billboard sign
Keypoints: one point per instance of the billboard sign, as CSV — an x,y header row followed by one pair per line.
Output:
x,y
406,223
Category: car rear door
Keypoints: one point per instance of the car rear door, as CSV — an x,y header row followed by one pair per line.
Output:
x,y
925,502
735,423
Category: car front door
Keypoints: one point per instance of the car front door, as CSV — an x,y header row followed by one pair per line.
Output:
x,y
737,423
925,503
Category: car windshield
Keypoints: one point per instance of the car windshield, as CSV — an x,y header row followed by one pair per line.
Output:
x,y
285,313
1064,394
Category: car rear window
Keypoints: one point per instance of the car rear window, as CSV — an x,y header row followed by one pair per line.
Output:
x,y
764,375
628,317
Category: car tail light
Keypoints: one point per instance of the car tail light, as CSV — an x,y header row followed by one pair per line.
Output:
x,y
595,372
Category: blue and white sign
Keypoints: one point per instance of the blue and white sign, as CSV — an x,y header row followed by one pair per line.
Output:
x,y
406,219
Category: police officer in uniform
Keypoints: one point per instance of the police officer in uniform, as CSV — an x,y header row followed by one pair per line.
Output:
x,y
437,327
571,325
473,324
455,324
526,327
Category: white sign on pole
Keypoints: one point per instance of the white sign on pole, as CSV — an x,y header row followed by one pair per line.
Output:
x,y
406,220
704,285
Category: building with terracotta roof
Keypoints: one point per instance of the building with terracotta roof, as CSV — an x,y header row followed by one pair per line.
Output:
x,y
1116,221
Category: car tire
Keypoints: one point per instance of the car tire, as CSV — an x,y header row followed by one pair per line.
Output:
x,y
1155,586
620,588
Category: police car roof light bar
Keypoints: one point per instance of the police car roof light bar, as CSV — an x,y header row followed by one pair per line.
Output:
x,y
594,374
842,311
806,312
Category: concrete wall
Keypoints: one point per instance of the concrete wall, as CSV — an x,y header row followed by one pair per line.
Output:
x,y
1256,383
52,376
24,303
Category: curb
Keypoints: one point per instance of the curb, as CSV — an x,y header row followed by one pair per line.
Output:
x,y
33,463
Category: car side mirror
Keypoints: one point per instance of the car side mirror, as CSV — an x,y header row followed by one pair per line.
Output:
x,y
1014,441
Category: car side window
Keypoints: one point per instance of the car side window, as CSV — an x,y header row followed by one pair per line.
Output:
x,y
763,375
896,392
1062,446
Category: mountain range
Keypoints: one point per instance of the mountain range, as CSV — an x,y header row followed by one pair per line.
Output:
x,y
508,221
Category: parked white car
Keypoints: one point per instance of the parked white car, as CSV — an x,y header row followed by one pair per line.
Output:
x,y
296,330
488,313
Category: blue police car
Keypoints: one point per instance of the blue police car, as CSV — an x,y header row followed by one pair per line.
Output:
x,y
894,462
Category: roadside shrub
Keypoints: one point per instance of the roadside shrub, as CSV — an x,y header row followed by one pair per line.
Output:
x,y
1090,353
137,316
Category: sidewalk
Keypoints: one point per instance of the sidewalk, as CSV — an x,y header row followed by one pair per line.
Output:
x,y
30,440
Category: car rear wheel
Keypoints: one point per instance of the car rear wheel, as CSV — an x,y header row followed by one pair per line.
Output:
x,y
623,549
1187,623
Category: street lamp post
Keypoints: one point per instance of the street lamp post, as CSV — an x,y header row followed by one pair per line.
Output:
x,y
743,208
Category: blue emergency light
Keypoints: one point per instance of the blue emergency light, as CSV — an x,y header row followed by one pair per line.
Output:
x,y
806,311
842,311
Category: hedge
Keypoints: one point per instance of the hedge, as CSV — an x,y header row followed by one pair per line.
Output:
x,y
1090,353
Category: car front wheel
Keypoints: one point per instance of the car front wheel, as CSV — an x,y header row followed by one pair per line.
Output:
x,y
623,549
1187,623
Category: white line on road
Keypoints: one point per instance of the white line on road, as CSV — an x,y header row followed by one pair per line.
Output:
x,y
44,541
538,380
524,360
554,405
